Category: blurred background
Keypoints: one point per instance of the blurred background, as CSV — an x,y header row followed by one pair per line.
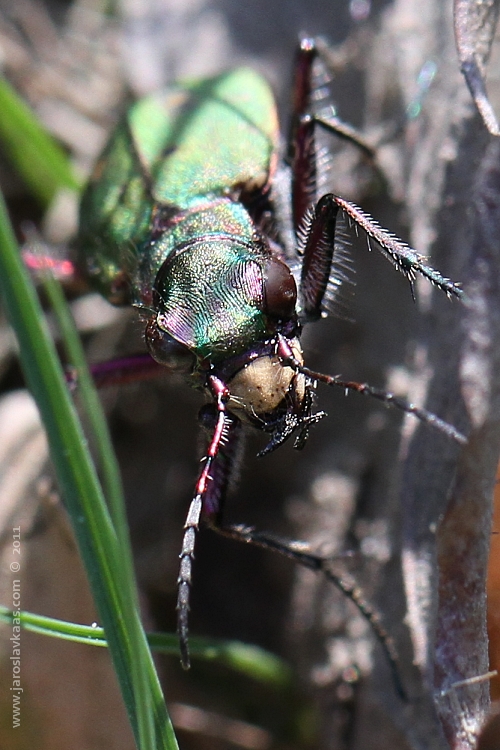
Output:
x,y
367,482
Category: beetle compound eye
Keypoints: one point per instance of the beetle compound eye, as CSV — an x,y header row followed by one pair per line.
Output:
x,y
280,290
168,351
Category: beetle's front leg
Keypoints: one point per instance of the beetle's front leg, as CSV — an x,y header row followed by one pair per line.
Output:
x,y
316,222
318,269
209,497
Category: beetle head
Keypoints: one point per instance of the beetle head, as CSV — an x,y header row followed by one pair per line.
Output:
x,y
219,296
221,304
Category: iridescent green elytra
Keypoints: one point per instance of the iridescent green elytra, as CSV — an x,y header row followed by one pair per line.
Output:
x,y
177,169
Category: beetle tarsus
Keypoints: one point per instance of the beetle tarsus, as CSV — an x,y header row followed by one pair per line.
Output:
x,y
182,623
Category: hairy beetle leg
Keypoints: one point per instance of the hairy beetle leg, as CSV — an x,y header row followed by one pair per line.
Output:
x,y
315,221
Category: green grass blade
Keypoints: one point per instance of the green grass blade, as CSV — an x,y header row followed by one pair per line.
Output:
x,y
89,399
40,161
241,657
113,492
251,661
50,626
94,531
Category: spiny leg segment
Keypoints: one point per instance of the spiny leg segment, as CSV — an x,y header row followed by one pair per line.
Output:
x,y
316,227
315,218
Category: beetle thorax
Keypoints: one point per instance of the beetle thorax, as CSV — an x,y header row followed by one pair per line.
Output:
x,y
209,296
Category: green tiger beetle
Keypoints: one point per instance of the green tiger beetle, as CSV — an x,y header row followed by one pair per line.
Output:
x,y
227,251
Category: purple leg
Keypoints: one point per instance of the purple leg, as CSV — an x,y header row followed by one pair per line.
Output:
x,y
301,147
119,371
302,88
123,370
114,372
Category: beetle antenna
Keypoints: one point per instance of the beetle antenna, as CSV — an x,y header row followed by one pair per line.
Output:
x,y
221,396
387,397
